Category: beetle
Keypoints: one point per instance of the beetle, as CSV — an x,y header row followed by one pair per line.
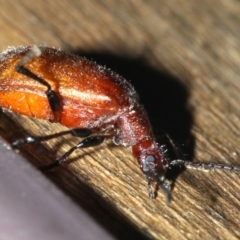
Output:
x,y
94,102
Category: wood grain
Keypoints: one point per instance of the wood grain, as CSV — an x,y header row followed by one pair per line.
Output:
x,y
184,59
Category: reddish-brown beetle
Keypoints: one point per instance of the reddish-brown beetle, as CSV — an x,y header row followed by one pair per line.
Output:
x,y
95,102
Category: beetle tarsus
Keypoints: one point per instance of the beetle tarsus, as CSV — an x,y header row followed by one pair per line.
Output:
x,y
16,144
35,51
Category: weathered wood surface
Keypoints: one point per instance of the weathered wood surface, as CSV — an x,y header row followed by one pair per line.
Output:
x,y
184,59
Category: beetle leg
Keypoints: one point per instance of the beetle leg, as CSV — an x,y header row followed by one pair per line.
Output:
x,y
53,98
87,142
78,132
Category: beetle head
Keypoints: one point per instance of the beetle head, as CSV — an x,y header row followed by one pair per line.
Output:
x,y
153,164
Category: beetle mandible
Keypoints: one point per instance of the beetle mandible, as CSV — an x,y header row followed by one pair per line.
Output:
x,y
93,101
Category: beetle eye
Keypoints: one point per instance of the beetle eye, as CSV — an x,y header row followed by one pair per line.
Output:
x,y
148,163
150,159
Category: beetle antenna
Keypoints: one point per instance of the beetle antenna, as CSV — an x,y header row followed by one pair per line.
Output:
x,y
204,166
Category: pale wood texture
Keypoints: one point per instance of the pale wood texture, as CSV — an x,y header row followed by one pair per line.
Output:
x,y
184,59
